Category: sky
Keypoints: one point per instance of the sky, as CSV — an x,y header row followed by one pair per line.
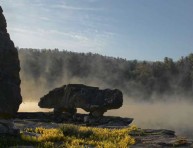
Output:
x,y
131,29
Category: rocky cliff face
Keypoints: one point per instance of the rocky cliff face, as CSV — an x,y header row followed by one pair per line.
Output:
x,y
10,97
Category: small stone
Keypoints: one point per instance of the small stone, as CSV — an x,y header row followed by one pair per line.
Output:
x,y
86,119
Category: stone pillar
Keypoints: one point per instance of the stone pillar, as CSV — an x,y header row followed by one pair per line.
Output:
x,y
10,96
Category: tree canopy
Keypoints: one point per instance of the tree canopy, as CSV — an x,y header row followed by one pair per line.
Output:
x,y
47,69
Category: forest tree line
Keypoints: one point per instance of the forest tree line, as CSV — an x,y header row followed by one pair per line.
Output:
x,y
43,70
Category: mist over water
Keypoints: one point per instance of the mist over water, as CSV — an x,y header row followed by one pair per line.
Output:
x,y
151,90
175,116
32,107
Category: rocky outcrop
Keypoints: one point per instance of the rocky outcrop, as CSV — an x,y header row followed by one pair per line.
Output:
x,y
7,128
69,97
10,97
145,138
78,119
159,138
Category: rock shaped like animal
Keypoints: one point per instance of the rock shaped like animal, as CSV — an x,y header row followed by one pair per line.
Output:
x,y
91,99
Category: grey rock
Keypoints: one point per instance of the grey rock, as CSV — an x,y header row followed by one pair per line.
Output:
x,y
158,138
86,119
91,99
79,119
30,134
7,127
3,129
10,97
145,138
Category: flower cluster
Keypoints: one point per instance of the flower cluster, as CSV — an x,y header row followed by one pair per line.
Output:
x,y
80,136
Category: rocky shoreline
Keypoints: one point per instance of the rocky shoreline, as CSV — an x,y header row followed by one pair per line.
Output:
x,y
144,137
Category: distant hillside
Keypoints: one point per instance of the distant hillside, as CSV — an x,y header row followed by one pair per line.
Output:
x,y
42,70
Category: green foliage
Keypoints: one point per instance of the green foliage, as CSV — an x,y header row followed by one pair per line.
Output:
x,y
52,68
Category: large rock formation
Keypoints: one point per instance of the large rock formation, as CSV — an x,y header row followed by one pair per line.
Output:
x,y
10,97
69,97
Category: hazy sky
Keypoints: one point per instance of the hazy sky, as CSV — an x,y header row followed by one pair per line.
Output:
x,y
132,29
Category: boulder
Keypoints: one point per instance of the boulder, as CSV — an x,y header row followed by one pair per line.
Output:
x,y
10,97
91,99
7,127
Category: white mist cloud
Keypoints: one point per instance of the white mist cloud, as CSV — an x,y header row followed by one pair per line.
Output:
x,y
173,115
63,5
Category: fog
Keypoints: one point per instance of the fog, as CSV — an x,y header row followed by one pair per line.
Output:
x,y
157,95
44,70
175,116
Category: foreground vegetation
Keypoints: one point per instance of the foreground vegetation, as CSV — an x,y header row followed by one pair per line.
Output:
x,y
72,136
